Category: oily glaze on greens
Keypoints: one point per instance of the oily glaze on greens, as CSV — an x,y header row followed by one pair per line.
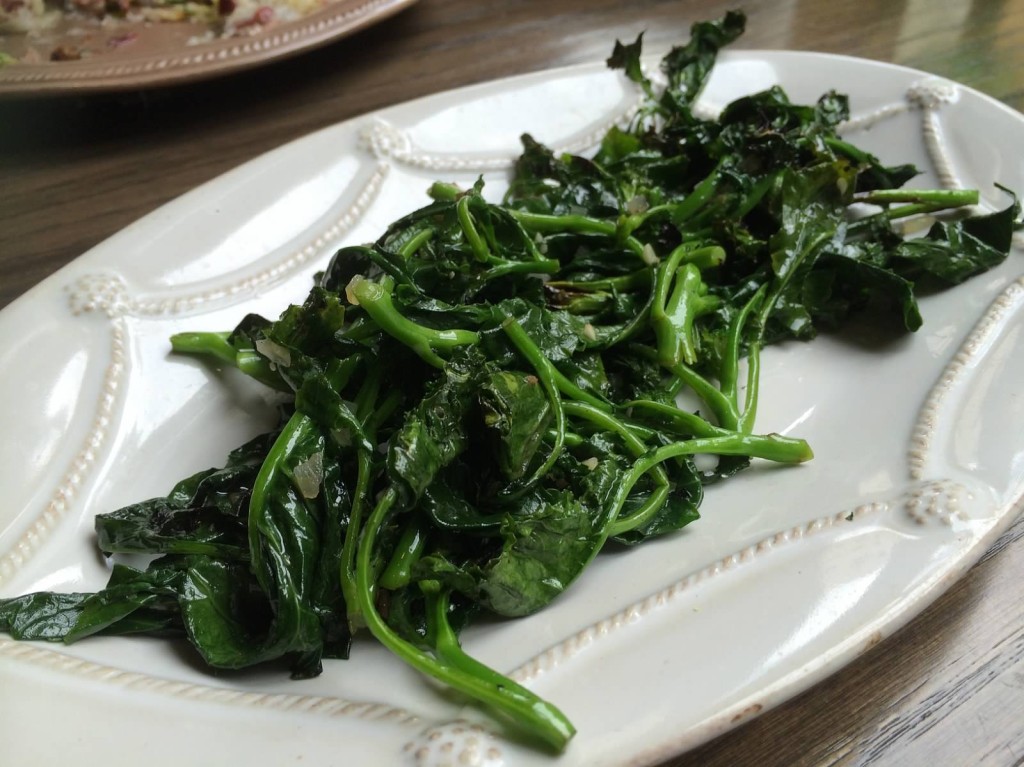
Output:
x,y
486,397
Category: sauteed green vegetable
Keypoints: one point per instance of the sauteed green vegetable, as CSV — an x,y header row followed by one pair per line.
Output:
x,y
485,398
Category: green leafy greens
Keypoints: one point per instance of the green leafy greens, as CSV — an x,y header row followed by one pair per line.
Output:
x,y
486,396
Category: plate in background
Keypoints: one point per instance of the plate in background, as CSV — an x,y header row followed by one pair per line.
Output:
x,y
127,55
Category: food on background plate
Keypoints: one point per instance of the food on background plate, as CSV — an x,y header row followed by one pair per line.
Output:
x,y
90,26
486,397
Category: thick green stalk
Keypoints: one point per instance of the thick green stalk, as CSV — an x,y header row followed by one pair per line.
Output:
x,y
216,345
415,243
453,667
640,278
696,199
729,372
375,299
948,198
691,424
408,551
660,321
522,707
212,344
723,407
569,389
383,410
547,224
746,423
771,447
443,191
673,320
572,439
606,421
756,195
476,242
897,212
503,268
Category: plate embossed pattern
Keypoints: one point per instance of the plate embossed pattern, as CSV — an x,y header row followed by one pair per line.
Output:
x,y
954,513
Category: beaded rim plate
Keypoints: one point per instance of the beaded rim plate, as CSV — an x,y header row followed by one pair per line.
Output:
x,y
790,574
145,55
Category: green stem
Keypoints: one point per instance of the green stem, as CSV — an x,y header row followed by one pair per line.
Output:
x,y
641,278
746,423
453,667
755,196
782,280
548,375
547,266
633,444
294,431
851,151
255,365
522,341
546,224
689,302
729,375
444,191
947,198
691,424
569,389
375,299
696,199
892,214
476,242
381,413
725,411
415,243
607,422
660,320
703,258
365,411
772,447
212,344
216,345
905,211
762,446
347,566
572,439
612,335
407,553
527,710
369,390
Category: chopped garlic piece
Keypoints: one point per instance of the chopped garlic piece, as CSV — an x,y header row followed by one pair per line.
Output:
x,y
309,474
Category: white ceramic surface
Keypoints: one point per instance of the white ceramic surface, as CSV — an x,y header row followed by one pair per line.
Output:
x,y
791,573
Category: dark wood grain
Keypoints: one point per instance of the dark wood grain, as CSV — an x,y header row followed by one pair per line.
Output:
x,y
947,689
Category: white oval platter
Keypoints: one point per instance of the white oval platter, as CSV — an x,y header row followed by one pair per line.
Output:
x,y
790,574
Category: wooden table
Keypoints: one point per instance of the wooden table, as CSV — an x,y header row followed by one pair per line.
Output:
x,y
948,689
